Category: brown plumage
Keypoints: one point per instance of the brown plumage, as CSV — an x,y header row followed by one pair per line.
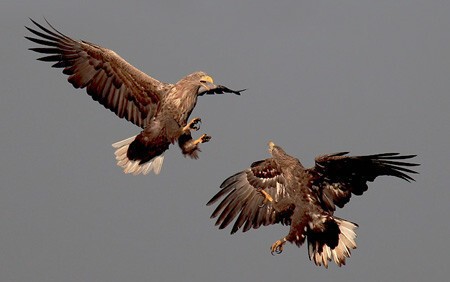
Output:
x,y
280,190
161,109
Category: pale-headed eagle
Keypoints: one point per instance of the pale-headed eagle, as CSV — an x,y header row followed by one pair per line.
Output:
x,y
160,109
280,190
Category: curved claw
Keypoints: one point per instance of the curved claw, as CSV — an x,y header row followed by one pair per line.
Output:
x,y
277,247
202,139
205,138
195,124
277,251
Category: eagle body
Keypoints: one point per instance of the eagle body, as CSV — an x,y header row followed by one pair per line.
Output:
x,y
166,127
280,190
161,109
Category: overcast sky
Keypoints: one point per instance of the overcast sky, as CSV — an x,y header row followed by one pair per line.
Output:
x,y
322,76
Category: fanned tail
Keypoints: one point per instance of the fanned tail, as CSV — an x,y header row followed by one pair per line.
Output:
x,y
134,166
321,253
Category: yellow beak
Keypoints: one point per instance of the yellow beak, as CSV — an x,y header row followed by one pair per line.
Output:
x,y
207,83
207,78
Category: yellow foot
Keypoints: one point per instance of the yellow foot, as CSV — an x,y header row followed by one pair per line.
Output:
x,y
203,139
194,124
267,197
277,247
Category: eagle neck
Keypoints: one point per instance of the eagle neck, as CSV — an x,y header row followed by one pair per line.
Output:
x,y
181,104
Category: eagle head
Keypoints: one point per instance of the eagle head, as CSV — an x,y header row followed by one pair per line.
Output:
x,y
206,84
276,151
271,146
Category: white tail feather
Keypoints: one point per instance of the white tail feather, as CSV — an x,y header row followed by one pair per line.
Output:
x,y
124,142
342,251
131,166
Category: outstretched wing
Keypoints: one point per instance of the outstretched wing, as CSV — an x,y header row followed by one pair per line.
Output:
x,y
108,78
242,199
337,176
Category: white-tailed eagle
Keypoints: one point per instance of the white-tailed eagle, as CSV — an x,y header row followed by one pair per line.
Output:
x,y
280,190
160,109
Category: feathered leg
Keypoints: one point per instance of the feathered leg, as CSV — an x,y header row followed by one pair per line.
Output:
x,y
286,205
189,146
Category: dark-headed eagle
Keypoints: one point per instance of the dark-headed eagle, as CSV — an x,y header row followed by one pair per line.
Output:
x,y
280,190
160,109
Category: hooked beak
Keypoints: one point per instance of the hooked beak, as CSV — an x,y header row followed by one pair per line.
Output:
x,y
206,84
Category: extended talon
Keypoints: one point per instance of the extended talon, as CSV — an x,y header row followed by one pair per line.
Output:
x,y
277,247
203,139
194,124
267,197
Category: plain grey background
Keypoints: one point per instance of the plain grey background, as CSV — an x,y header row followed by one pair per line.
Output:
x,y
322,76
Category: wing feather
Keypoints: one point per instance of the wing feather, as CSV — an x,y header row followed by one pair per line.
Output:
x,y
235,208
338,176
245,214
251,215
242,201
108,78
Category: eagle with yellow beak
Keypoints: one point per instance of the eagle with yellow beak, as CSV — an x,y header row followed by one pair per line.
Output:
x,y
161,109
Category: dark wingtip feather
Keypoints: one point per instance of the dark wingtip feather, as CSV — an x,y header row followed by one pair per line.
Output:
x,y
392,156
46,50
404,169
404,176
397,168
400,163
52,58
61,64
43,42
50,25
213,199
33,21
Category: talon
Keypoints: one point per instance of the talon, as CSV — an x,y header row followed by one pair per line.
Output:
x,y
194,124
277,247
205,138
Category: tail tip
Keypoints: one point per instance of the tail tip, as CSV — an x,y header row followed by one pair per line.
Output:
x,y
134,166
322,254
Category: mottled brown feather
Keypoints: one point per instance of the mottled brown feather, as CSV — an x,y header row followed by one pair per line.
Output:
x,y
243,199
107,77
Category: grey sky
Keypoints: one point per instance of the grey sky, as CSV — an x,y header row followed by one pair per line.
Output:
x,y
322,76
